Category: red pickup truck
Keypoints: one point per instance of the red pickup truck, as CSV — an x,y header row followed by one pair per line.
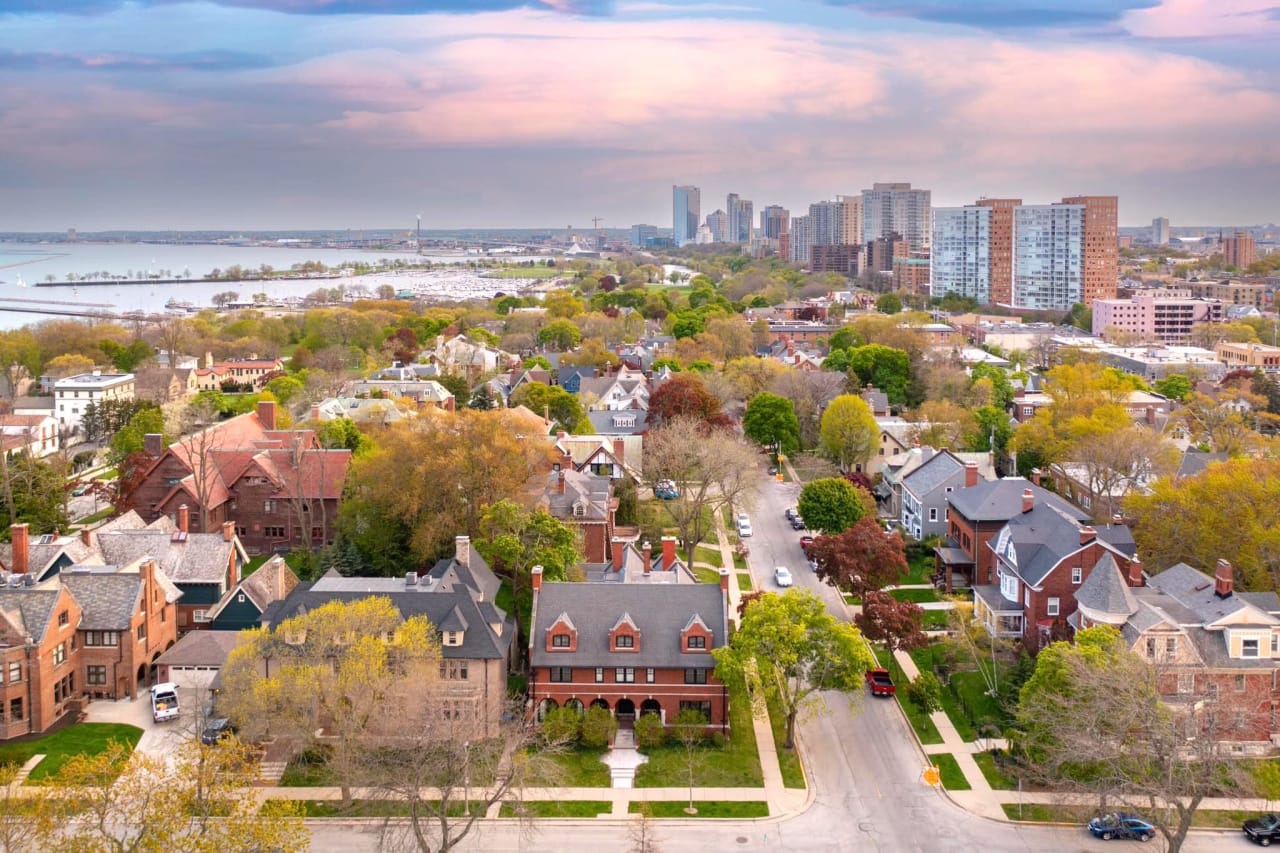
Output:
x,y
880,682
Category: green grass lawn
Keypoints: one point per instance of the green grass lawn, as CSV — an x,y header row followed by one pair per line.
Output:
x,y
705,575
579,767
539,271
707,554
59,747
378,808
995,777
924,727
919,596
712,808
964,698
101,515
952,776
307,769
556,808
788,759
1053,813
744,581
919,570
739,561
254,564
935,620
735,765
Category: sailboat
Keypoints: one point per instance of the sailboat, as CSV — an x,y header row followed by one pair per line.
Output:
x,y
20,282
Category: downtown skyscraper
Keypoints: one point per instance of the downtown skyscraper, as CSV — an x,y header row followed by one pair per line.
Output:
x,y
740,213
686,214
896,208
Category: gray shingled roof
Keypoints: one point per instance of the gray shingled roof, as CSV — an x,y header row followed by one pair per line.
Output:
x,y
1105,590
202,648
1048,533
1001,500
33,606
108,601
660,612
933,474
1194,590
201,558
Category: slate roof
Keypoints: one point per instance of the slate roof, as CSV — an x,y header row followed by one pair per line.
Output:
x,y
587,490
1043,537
1194,590
1105,591
1001,500
29,610
42,555
659,611
200,558
108,600
624,422
1195,461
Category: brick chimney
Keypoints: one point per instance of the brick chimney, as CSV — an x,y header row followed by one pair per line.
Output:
x,y
267,413
1028,500
21,549
619,450
315,411
619,552
560,480
668,553
535,579
86,537
462,550
153,444
970,474
184,519
1035,476
228,531
1223,579
1087,534
1135,572
724,581
648,556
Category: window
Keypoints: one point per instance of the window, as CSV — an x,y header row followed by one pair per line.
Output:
x,y
142,631
15,671
933,513
268,506
624,641
453,670
1171,646
1249,648
15,709
60,654
599,674
561,674
695,676
648,675
95,674
697,642
1240,683
273,532
1077,574
1186,682
104,638
63,619
624,675
1052,607
1275,644
559,641
703,708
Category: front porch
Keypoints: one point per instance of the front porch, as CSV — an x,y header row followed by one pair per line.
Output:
x,y
953,568
1001,617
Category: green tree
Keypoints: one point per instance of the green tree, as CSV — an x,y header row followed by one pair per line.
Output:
x,y
1175,386
561,406
598,726
285,388
561,335
889,303
844,337
848,433
810,651
129,440
34,492
770,420
832,504
343,433
926,693
126,358
458,386
515,539
884,367
992,430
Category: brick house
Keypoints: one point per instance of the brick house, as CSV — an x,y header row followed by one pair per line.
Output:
x,y
477,639
586,503
1042,556
37,642
278,486
924,491
974,516
633,638
255,372
1216,650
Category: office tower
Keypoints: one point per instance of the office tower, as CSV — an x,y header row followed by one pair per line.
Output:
x,y
837,223
800,238
775,220
686,214
740,212
1160,231
896,208
1237,251
844,259
962,252
718,222
1048,256
1101,238
882,250
643,235
1001,253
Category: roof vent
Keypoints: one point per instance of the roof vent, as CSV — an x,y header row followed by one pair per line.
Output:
x,y
410,578
28,580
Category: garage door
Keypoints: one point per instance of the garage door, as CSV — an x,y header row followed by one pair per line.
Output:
x,y
192,676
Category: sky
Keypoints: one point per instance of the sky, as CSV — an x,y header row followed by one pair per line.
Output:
x,y
279,114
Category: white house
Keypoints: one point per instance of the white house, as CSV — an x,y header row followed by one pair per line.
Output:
x,y
72,394
37,435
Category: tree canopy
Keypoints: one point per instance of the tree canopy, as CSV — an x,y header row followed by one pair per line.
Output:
x,y
848,434
771,419
860,559
832,504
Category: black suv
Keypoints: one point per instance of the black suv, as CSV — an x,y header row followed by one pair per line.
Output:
x,y
216,730
1263,830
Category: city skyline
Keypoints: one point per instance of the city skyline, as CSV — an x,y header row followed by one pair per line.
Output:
x,y
273,114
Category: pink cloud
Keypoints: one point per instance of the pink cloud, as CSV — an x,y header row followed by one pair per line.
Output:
x,y
1203,19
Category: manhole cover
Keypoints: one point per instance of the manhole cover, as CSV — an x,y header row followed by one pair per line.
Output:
x,y
866,826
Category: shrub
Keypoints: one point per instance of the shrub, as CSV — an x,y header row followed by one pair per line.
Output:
x,y
598,725
562,725
926,693
649,730
718,740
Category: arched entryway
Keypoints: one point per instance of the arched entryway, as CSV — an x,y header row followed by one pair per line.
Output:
x,y
152,671
574,704
142,677
545,707
651,706
600,703
625,711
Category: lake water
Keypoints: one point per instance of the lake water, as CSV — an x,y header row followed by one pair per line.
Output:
x,y
22,265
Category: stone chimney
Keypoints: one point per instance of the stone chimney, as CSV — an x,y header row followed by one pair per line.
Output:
x,y
462,550
18,538
1135,572
668,553
619,553
1223,579
228,531
267,413
1028,500
1087,534
970,474
535,579
184,519
153,444
648,556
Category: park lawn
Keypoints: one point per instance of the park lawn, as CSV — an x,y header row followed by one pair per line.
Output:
x,y
744,581
706,808
539,271
788,759
919,596
59,747
952,776
735,765
572,767
556,808
996,778
920,722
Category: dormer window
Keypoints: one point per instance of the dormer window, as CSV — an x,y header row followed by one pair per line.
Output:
x,y
453,638
560,641
697,643
625,635
624,641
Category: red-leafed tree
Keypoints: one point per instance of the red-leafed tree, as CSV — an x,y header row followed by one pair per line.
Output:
x,y
403,343
862,559
685,396
747,598
892,623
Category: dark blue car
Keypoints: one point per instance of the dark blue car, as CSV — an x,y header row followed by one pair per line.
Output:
x,y
1121,825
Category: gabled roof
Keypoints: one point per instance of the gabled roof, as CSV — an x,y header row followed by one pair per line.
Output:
x,y
1047,534
659,611
933,474
273,581
202,648
1105,592
198,558
1001,500
1194,590
29,610
108,601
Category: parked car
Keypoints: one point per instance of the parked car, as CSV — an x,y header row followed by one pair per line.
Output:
x,y
1263,830
164,702
805,542
773,470
782,576
1121,825
80,490
744,528
665,490
791,513
880,682
217,730
797,523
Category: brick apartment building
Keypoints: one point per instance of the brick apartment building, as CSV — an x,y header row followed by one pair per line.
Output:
x,y
278,487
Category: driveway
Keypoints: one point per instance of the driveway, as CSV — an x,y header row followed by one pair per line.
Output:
x,y
159,739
